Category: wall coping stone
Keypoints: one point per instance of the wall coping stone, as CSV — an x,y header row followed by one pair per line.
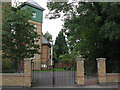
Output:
x,y
112,73
27,59
11,73
100,58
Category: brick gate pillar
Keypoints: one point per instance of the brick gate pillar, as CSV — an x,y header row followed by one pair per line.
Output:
x,y
27,72
101,63
80,71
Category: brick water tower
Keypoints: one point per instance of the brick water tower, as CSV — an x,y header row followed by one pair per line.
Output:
x,y
37,20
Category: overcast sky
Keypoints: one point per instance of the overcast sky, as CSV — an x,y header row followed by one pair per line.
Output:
x,y
52,26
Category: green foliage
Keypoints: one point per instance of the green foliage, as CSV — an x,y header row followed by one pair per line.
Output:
x,y
60,47
57,8
71,56
92,29
8,66
19,36
48,36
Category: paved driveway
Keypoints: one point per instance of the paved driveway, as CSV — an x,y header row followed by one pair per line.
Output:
x,y
51,79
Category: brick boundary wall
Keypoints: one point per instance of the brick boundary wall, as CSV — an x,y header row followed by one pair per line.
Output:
x,y
18,79
104,77
112,77
12,79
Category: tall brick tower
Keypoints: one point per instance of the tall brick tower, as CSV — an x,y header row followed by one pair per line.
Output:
x,y
37,20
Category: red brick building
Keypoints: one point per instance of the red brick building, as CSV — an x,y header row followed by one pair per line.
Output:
x,y
40,61
45,54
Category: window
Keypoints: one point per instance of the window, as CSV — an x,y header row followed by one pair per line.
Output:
x,y
35,27
13,31
43,65
34,14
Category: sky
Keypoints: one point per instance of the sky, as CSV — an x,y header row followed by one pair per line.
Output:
x,y
52,26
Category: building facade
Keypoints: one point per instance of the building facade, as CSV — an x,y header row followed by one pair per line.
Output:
x,y
45,54
40,61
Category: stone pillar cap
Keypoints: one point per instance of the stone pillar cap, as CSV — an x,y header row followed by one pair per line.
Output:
x,y
80,59
27,59
100,58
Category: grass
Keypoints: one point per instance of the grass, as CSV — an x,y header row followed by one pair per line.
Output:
x,y
55,70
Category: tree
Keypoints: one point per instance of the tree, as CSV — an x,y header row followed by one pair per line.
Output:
x,y
19,36
92,28
48,36
60,46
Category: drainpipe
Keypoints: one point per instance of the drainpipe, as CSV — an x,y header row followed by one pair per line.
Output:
x,y
51,53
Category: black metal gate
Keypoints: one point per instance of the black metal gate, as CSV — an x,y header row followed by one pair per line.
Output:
x,y
91,77
60,75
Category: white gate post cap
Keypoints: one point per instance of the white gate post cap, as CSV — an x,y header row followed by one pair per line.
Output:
x,y
27,59
80,59
100,58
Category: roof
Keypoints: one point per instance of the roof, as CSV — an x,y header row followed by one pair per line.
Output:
x,y
34,4
45,41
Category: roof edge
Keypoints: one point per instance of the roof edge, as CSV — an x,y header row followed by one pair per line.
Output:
x,y
34,6
29,4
